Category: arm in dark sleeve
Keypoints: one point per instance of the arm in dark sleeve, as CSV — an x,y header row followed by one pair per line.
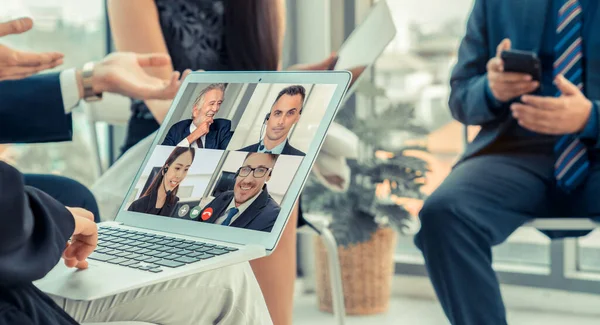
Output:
x,y
471,101
170,138
32,110
591,131
35,229
227,134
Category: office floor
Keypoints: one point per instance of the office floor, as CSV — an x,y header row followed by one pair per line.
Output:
x,y
407,311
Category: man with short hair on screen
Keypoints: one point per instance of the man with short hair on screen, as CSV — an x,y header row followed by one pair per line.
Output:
x,y
285,112
249,205
203,130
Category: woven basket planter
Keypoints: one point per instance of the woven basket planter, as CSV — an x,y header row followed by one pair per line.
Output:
x,y
367,271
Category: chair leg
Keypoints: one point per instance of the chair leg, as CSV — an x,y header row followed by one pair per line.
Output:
x,y
335,276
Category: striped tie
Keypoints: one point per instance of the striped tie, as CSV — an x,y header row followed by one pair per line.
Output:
x,y
572,164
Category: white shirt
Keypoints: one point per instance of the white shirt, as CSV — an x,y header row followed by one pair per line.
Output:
x,y
186,143
276,150
241,209
69,90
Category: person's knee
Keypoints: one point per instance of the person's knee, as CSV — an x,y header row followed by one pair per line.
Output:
x,y
67,191
440,214
81,196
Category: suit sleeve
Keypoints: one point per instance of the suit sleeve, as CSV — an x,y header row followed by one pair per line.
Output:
x,y
32,110
34,231
469,96
591,131
227,135
170,138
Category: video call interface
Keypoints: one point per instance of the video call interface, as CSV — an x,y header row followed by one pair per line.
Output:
x,y
229,153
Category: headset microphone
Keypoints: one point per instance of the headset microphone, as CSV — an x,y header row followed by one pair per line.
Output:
x,y
165,169
262,129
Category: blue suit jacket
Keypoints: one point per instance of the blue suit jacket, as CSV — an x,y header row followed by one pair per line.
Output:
x,y
31,110
287,149
260,215
491,21
218,136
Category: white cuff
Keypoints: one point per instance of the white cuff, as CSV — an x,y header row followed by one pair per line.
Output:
x,y
184,143
69,89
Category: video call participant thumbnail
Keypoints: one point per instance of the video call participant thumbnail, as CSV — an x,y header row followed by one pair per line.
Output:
x,y
249,204
161,196
285,112
203,130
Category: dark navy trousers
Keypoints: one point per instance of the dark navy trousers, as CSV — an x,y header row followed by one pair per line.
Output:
x,y
65,190
481,202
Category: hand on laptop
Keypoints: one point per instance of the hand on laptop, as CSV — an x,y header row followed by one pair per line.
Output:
x,y
83,241
123,73
15,64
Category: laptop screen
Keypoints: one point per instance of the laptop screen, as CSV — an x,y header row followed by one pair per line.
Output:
x,y
229,153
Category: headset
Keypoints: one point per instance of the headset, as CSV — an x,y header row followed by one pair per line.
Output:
x,y
164,172
261,146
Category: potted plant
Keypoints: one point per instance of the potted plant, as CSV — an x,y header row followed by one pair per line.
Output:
x,y
365,218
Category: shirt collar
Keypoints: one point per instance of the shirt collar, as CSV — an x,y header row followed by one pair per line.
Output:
x,y
242,206
278,150
193,128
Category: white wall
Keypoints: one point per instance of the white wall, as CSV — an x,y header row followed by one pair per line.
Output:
x,y
284,171
248,130
199,174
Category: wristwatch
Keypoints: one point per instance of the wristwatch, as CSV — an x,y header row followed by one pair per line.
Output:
x,y
86,79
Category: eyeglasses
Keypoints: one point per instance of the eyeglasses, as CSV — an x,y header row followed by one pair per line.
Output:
x,y
257,172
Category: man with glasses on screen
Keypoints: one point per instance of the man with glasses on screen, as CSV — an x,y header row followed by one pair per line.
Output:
x,y
249,204
203,130
284,114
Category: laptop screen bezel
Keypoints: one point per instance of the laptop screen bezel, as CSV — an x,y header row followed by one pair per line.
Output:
x,y
231,234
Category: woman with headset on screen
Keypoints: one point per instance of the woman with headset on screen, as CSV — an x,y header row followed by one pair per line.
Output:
x,y
161,196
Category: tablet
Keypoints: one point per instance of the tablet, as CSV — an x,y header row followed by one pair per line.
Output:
x,y
366,43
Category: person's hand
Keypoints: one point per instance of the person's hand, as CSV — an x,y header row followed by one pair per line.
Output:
x,y
15,64
123,73
507,85
83,241
201,130
566,114
326,64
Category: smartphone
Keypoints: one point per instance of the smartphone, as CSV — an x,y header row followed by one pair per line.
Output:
x,y
522,62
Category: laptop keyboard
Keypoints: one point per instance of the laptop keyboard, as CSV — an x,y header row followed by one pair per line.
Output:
x,y
150,252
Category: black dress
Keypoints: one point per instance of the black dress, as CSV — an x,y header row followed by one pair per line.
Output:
x,y
193,33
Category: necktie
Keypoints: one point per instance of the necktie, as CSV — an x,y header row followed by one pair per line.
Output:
x,y
572,165
199,143
232,212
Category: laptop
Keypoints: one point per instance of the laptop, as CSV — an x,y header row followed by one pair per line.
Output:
x,y
158,235
365,44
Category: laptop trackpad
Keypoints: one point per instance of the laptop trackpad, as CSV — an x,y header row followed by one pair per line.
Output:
x,y
99,280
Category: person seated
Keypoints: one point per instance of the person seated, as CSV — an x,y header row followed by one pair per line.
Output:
x,y
249,204
36,230
284,114
161,196
203,130
119,73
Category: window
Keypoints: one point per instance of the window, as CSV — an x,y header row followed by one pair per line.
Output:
x,y
77,29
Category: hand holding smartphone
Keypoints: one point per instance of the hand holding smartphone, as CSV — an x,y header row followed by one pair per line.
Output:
x,y
522,62
513,73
